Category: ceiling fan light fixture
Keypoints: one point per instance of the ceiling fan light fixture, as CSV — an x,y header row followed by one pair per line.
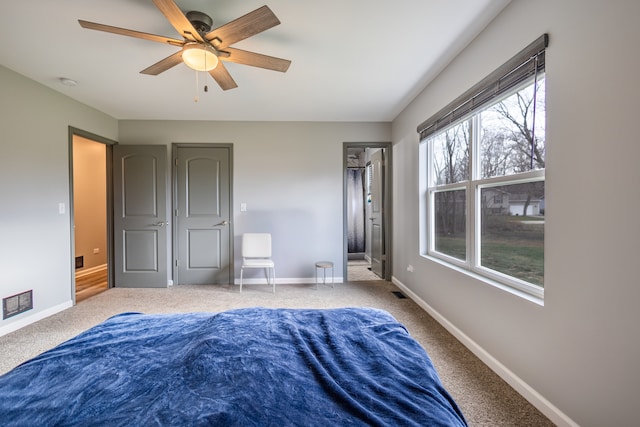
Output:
x,y
199,57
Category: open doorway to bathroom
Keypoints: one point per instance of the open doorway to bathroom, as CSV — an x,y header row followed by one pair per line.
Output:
x,y
366,206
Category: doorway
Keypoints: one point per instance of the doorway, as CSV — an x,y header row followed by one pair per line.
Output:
x,y
367,201
90,176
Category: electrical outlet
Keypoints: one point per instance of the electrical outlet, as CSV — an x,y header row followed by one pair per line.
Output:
x,y
96,250
410,268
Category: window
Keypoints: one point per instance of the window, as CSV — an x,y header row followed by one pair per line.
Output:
x,y
483,162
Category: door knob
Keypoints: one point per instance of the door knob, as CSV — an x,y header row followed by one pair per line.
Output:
x,y
225,222
160,223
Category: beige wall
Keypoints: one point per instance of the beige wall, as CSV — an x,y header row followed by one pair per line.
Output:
x,y
90,202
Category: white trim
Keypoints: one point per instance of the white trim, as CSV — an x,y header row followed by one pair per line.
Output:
x,y
21,323
287,281
532,396
91,270
529,296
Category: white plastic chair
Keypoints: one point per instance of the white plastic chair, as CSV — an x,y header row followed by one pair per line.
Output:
x,y
256,253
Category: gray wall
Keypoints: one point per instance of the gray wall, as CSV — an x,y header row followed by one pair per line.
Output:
x,y
578,354
35,242
290,175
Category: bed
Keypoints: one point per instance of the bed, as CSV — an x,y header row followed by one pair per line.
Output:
x,y
244,367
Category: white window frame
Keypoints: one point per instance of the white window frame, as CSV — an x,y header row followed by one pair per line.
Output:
x,y
473,186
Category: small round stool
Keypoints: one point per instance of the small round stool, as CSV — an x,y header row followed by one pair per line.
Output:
x,y
324,265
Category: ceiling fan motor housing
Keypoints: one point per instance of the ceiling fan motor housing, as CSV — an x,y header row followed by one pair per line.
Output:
x,y
200,21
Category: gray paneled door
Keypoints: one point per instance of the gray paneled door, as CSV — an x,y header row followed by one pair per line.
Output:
x,y
202,237
140,216
377,213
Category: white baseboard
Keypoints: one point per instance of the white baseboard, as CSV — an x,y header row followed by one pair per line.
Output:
x,y
532,396
287,281
27,320
90,270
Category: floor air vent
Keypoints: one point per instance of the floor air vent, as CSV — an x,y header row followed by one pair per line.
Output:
x,y
399,294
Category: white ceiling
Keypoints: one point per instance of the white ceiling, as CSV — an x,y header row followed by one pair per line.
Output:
x,y
352,60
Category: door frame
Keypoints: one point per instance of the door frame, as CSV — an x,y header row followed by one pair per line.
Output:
x,y
174,205
109,143
388,203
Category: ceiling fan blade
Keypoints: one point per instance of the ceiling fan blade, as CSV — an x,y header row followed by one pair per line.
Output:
x,y
244,57
130,33
164,64
221,75
178,20
246,26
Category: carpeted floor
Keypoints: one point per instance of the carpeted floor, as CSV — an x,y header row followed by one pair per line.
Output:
x,y
360,270
485,399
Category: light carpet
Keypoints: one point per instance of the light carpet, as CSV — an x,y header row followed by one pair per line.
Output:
x,y
485,399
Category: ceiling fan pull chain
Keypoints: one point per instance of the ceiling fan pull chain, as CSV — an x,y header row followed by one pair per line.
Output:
x,y
196,98
206,88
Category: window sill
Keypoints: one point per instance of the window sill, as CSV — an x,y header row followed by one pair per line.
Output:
x,y
485,280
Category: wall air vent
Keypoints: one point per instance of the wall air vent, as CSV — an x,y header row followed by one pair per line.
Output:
x,y
17,304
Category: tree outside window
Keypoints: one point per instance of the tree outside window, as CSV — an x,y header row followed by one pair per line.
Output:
x,y
486,189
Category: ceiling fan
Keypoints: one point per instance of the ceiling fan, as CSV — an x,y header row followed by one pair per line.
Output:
x,y
204,49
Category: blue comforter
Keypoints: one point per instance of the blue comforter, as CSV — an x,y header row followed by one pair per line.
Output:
x,y
245,367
